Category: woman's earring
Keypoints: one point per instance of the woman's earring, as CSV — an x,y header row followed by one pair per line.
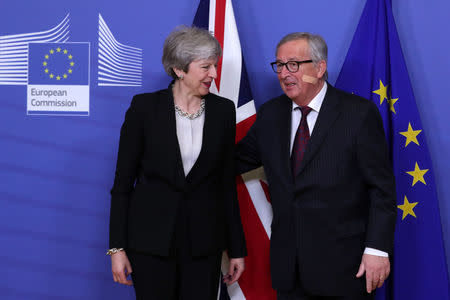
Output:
x,y
181,77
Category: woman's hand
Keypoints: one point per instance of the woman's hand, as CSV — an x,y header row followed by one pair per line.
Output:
x,y
121,268
235,270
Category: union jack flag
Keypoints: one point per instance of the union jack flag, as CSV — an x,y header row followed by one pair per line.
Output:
x,y
256,211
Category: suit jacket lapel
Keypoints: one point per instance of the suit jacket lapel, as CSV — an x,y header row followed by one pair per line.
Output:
x,y
327,115
283,128
208,134
171,125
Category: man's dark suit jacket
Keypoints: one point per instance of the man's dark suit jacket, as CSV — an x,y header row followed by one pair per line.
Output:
x,y
341,201
150,183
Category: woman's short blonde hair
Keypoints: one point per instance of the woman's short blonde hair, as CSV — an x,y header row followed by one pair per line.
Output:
x,y
186,44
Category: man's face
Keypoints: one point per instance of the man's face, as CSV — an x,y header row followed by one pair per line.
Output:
x,y
302,85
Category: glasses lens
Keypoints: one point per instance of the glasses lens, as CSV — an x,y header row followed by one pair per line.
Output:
x,y
274,67
292,66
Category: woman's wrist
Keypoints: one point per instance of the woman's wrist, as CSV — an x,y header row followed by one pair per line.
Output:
x,y
113,251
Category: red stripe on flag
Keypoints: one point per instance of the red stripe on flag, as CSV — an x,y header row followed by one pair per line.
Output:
x,y
266,189
243,126
255,282
219,32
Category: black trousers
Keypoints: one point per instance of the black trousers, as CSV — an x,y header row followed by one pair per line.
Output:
x,y
298,293
175,278
301,296
180,276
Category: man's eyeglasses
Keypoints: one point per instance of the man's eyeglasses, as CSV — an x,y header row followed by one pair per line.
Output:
x,y
292,65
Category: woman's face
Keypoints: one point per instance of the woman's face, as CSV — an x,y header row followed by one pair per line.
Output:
x,y
199,77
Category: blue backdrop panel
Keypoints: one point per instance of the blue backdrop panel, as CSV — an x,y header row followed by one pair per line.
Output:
x,y
56,171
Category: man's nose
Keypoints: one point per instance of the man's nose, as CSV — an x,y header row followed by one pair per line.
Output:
x,y
284,72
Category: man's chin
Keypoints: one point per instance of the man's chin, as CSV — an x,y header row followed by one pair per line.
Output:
x,y
290,94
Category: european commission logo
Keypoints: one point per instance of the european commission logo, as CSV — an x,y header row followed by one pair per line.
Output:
x,y
58,79
56,71
118,64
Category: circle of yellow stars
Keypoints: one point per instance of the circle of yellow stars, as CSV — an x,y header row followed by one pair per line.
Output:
x,y
410,134
383,93
47,58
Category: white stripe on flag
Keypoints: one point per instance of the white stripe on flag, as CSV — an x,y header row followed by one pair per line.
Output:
x,y
213,88
245,111
258,196
235,292
232,57
212,15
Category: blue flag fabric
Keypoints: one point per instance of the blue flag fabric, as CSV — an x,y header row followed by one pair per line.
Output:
x,y
375,69
58,63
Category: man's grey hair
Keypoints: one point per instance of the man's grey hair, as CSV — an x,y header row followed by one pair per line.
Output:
x,y
186,44
317,46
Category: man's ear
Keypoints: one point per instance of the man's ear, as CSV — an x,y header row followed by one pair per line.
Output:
x,y
321,68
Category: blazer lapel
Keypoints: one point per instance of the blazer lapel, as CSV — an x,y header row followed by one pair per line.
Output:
x,y
327,115
171,125
283,129
208,135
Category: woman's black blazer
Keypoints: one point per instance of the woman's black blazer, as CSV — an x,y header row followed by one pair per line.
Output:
x,y
150,183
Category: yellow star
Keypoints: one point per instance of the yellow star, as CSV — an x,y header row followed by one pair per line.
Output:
x,y
46,56
65,76
51,75
391,104
46,70
70,71
70,56
58,49
44,63
52,51
411,135
417,174
58,77
72,63
407,208
65,51
382,92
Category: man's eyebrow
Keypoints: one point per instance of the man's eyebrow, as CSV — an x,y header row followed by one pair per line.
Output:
x,y
290,59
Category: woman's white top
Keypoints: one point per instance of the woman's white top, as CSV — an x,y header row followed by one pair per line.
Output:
x,y
190,137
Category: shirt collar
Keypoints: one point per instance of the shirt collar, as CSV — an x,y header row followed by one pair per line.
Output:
x,y
316,102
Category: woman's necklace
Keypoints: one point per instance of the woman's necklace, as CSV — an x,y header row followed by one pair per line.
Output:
x,y
193,116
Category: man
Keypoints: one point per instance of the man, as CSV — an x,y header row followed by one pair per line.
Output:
x,y
330,180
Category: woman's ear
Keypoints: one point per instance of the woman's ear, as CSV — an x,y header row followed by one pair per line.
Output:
x,y
178,72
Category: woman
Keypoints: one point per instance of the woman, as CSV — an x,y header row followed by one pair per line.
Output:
x,y
173,206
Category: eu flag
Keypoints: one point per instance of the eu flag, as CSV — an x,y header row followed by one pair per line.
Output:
x,y
375,69
58,63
